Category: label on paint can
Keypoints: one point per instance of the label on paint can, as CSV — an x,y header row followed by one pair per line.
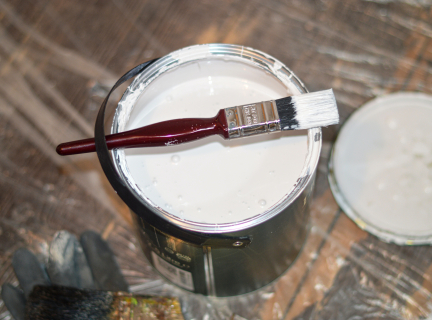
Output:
x,y
176,275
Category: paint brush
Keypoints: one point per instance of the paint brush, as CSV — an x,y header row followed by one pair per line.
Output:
x,y
56,302
305,111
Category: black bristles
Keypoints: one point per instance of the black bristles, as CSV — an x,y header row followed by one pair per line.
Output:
x,y
287,113
55,302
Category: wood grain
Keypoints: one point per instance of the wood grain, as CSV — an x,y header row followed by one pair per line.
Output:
x,y
59,58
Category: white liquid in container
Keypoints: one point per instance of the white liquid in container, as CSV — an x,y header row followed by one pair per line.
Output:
x,y
214,180
383,167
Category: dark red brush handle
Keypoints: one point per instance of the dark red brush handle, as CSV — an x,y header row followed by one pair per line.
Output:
x,y
155,135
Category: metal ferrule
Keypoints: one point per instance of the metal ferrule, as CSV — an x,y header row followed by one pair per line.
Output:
x,y
251,119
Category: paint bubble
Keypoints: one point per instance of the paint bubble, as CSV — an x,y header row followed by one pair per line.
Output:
x,y
199,209
154,182
392,124
381,186
181,214
175,159
180,198
271,172
230,213
262,202
428,190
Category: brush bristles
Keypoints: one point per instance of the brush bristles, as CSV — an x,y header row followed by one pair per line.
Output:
x,y
311,110
65,303
56,302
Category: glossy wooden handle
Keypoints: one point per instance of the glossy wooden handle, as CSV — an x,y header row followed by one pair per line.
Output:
x,y
164,133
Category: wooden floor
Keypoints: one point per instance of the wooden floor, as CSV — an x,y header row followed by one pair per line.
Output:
x,y
59,58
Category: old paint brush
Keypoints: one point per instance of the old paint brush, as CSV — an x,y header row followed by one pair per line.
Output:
x,y
56,302
310,110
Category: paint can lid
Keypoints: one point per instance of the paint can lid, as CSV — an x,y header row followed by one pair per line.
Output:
x,y
380,169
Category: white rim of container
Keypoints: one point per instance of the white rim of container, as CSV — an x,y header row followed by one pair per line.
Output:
x,y
218,51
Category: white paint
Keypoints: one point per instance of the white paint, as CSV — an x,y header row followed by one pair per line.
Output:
x,y
219,181
383,165
215,177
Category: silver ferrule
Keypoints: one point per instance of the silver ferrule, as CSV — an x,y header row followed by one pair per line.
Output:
x,y
252,119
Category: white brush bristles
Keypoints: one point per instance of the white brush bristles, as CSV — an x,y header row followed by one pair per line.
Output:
x,y
316,109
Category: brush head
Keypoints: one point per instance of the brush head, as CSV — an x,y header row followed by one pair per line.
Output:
x,y
56,302
310,110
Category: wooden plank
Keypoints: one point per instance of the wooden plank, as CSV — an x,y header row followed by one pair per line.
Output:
x,y
59,57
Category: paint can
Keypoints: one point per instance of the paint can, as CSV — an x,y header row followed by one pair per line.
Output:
x,y
213,258
380,169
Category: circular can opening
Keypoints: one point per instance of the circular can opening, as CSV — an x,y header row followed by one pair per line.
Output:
x,y
213,185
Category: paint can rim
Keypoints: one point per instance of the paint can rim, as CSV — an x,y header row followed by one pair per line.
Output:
x,y
247,55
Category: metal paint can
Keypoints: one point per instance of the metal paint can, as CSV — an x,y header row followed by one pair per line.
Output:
x,y
223,259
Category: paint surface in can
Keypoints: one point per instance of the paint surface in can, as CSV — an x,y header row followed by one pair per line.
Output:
x,y
214,180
